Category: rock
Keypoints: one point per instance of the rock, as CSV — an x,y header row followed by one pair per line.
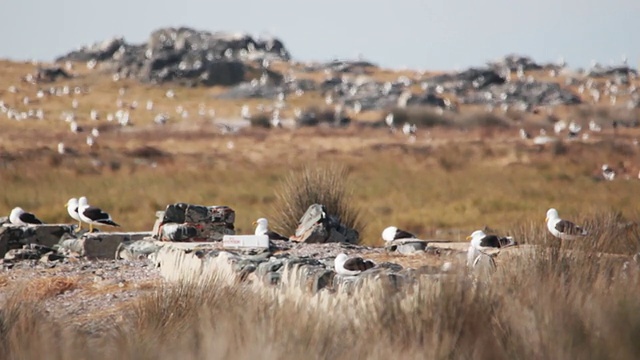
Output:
x,y
188,222
406,246
472,78
272,278
514,62
15,236
343,66
100,245
184,55
606,71
272,265
136,249
316,226
322,279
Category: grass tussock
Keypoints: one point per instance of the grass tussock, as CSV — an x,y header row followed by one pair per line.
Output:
x,y
325,185
545,302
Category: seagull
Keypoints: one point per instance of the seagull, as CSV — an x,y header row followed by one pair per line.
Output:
x,y
72,209
21,217
393,233
483,244
524,135
562,229
93,215
608,173
352,266
262,228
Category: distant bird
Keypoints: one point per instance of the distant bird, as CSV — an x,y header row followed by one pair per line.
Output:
x,y
524,135
262,228
93,215
562,229
608,173
409,129
389,120
351,266
72,209
593,126
245,113
21,217
481,244
61,148
393,233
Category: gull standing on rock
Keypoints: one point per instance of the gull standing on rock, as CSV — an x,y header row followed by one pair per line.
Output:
x,y
93,215
262,228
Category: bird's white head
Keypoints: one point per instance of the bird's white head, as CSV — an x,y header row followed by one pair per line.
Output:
x,y
73,202
389,233
476,236
262,226
605,167
82,201
552,214
16,211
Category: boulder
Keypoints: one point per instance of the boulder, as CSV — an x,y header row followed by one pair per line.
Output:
x,y
316,226
188,222
15,236
406,246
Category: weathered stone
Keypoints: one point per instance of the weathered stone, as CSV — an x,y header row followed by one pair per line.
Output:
x,y
136,249
272,265
15,236
406,246
185,56
272,278
317,226
101,245
188,222
322,279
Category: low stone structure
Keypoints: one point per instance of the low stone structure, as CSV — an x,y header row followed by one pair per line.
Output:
x,y
188,222
16,236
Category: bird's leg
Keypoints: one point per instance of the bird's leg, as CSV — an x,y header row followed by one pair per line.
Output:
x,y
90,227
79,226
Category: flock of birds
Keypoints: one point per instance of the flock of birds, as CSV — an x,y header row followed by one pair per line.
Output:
x,y
78,209
481,245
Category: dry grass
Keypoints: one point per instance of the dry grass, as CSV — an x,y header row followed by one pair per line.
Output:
x,y
47,287
327,186
551,303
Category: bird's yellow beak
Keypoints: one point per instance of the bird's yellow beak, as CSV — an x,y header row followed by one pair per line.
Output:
x,y
469,237
546,219
254,223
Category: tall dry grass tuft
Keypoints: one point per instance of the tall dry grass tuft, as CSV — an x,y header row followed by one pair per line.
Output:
x,y
327,185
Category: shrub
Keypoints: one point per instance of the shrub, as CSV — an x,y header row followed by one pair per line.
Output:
x,y
323,185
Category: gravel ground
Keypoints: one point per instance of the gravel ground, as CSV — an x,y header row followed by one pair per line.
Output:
x,y
85,293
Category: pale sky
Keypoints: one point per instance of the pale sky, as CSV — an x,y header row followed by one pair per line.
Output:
x,y
437,35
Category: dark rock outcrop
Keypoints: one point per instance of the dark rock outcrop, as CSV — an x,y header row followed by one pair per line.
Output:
x,y
184,55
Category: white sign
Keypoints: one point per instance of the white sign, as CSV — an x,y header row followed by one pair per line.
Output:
x,y
245,241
